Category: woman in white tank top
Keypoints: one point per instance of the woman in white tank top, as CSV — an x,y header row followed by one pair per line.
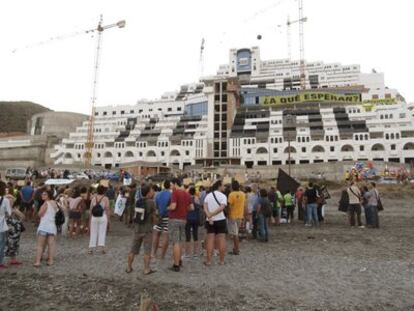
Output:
x,y
46,232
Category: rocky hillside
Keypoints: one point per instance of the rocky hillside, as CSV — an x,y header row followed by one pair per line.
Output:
x,y
14,115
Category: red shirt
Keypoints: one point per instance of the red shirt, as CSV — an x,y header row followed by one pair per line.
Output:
x,y
183,201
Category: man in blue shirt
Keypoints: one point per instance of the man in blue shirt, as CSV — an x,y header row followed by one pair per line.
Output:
x,y
26,200
162,201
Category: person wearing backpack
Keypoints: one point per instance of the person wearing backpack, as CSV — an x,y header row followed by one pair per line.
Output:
x,y
99,221
145,217
264,212
5,212
47,230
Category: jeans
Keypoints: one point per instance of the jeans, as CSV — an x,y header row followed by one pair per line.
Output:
x,y
371,214
255,221
354,209
263,232
312,214
3,239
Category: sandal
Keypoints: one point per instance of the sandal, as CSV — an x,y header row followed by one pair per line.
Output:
x,y
15,263
206,264
129,270
150,272
36,265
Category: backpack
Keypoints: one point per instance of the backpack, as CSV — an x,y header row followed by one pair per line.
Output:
x,y
59,217
97,209
141,213
266,208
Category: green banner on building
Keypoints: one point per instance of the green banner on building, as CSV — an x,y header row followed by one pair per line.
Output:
x,y
309,97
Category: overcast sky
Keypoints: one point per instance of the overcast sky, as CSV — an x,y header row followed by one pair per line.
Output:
x,y
159,48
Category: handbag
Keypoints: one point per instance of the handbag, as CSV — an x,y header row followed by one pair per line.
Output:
x,y
225,211
380,207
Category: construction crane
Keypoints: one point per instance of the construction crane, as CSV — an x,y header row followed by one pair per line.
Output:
x,y
90,138
99,29
301,47
289,23
201,61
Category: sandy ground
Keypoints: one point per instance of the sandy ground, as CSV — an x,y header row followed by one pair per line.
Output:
x,y
330,268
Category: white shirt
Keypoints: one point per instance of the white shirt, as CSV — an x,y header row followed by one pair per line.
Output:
x,y
4,208
47,221
213,206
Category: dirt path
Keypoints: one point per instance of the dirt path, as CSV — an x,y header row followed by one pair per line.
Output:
x,y
331,268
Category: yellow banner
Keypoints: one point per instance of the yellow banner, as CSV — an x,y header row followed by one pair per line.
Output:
x,y
310,97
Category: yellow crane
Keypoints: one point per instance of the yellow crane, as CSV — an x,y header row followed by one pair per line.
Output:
x,y
99,30
90,138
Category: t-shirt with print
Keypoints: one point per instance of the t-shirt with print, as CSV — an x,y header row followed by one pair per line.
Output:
x,y
237,200
4,209
146,227
212,204
182,199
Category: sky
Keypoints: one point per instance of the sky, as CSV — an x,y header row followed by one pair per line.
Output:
x,y
159,49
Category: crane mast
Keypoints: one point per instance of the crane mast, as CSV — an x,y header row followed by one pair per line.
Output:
x,y
301,47
90,138
90,134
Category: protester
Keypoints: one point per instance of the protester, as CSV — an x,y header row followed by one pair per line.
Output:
x,y
251,206
372,197
236,203
120,205
354,208
277,208
249,209
289,205
299,204
111,195
15,224
310,196
131,204
46,232
63,203
145,218
5,212
191,226
214,205
100,214
75,213
180,204
264,211
160,230
26,200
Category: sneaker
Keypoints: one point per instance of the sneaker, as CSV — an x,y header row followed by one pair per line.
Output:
x,y
187,257
361,227
174,268
308,225
195,256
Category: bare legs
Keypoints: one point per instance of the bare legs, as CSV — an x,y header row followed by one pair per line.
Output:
x,y
40,248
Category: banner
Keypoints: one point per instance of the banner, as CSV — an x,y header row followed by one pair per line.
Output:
x,y
310,97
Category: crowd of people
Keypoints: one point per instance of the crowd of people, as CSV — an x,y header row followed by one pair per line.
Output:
x,y
194,219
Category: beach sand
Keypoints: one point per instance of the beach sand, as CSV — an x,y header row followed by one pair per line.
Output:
x,y
334,267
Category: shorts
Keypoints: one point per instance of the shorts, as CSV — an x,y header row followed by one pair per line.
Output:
x,y
218,227
139,239
176,229
276,212
162,226
26,206
75,215
44,233
234,226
